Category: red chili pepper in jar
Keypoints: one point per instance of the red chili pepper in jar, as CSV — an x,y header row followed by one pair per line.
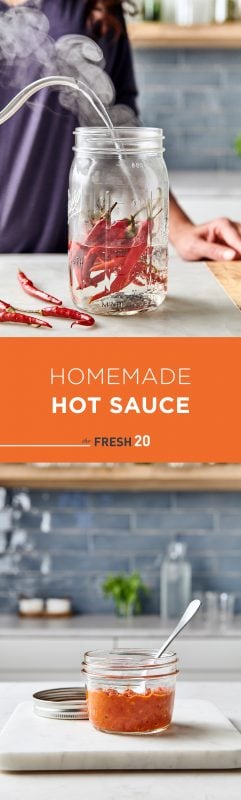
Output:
x,y
97,233
94,261
130,264
89,261
33,290
137,249
102,233
118,231
23,319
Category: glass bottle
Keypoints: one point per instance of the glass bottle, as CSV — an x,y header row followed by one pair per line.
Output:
x,y
221,10
176,581
184,12
194,12
118,220
168,11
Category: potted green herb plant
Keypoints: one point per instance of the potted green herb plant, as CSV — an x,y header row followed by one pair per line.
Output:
x,y
127,593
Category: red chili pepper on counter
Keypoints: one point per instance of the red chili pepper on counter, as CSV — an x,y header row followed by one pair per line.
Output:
x,y
30,288
23,319
4,305
82,317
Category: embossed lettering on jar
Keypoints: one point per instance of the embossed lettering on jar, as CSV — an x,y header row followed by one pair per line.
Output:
x,y
118,220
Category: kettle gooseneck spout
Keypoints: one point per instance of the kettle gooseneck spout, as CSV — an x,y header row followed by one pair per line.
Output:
x,y
55,80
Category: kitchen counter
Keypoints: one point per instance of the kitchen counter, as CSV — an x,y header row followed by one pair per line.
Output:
x,y
100,625
127,785
196,304
204,184
38,649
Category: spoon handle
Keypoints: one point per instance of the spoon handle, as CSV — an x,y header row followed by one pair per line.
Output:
x,y
189,613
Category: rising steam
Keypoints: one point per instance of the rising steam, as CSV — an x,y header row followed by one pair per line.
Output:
x,y
28,52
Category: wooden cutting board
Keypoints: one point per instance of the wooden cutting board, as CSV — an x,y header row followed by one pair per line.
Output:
x,y
229,275
200,738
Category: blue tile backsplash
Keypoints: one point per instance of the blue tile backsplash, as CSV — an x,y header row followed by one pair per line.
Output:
x,y
67,542
195,96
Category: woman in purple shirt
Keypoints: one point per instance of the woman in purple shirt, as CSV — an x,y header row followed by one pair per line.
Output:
x,y
36,143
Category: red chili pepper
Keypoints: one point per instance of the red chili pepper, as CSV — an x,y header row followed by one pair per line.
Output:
x,y
118,230
102,233
30,288
89,261
24,319
67,313
104,293
130,265
112,267
94,262
4,305
137,249
112,264
97,232
79,322
96,279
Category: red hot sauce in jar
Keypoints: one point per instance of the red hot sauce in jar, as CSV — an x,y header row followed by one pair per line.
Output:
x,y
129,712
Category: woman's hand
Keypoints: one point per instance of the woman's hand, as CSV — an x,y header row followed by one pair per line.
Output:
x,y
218,240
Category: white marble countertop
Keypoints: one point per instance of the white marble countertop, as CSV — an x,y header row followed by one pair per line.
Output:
x,y
220,785
14,627
206,183
196,304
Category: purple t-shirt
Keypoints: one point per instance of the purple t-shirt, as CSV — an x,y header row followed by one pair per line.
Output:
x,y
36,143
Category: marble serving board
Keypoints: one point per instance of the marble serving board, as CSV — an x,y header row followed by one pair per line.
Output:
x,y
200,738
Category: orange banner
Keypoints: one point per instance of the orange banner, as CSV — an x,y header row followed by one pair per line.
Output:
x,y
113,400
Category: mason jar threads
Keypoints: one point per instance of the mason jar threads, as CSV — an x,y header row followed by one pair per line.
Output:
x,y
130,691
118,220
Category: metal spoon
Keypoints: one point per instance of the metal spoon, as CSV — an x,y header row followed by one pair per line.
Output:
x,y
189,613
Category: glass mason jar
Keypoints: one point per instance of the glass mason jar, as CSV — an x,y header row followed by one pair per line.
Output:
x,y
118,220
130,691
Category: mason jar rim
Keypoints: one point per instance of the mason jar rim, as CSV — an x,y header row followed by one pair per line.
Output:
x,y
129,660
106,140
130,128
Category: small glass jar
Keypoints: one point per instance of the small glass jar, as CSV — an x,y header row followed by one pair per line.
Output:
x,y
118,220
130,691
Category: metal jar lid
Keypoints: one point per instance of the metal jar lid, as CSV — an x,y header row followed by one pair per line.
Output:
x,y
66,703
